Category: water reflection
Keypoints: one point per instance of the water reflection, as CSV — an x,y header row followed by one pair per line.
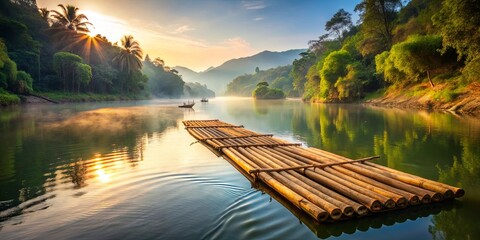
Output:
x,y
44,149
117,171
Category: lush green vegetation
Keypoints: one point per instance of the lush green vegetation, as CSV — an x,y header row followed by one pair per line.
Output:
x,y
196,90
162,80
276,77
394,47
50,51
262,91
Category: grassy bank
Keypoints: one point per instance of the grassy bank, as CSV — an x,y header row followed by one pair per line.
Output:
x,y
7,99
89,97
449,96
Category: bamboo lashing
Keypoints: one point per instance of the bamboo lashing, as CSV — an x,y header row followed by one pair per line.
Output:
x,y
311,165
326,186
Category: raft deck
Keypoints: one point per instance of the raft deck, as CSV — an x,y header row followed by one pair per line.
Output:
x,y
326,186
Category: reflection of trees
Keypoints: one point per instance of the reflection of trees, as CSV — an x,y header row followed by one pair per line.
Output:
x,y
77,174
461,223
40,145
412,142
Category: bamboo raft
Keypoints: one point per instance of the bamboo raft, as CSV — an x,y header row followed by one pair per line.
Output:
x,y
326,186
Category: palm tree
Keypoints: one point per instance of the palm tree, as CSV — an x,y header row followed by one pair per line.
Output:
x,y
70,19
45,14
131,55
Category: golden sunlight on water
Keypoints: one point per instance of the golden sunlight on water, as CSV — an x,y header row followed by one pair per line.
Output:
x,y
133,172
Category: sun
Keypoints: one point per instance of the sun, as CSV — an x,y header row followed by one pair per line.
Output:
x,y
105,25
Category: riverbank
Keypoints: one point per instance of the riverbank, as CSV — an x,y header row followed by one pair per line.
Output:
x,y
443,97
7,99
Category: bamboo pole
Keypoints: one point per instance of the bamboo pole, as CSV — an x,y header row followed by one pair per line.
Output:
x,y
310,185
280,160
408,186
299,201
334,211
344,180
324,165
338,185
447,190
424,195
412,198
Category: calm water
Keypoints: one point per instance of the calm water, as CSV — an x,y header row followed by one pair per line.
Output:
x,y
129,171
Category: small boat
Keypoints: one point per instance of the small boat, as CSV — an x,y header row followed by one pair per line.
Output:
x,y
204,100
187,104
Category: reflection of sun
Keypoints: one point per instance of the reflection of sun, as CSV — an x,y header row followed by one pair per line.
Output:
x,y
103,176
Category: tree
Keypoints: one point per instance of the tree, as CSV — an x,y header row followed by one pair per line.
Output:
x,y
415,58
65,65
257,70
70,19
45,14
158,62
458,22
23,83
333,68
340,22
377,18
130,57
83,74
264,92
350,86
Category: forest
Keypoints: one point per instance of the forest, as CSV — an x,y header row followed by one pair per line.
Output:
x,y
429,46
50,52
417,48
278,78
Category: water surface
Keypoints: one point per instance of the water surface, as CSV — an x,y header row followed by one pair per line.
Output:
x,y
128,170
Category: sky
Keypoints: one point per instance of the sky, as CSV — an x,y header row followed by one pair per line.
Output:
x,y
199,34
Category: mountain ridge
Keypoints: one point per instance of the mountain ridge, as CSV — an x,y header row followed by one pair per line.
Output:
x,y
218,77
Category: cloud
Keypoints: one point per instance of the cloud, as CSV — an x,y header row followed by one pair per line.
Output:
x,y
182,29
237,42
258,19
253,5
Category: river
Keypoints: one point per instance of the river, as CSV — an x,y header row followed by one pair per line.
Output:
x,y
129,170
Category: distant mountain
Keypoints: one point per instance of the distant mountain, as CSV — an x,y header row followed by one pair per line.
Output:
x,y
187,73
217,78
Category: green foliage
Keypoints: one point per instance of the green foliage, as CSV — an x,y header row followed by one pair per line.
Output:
x,y
300,68
340,22
23,83
458,22
260,91
162,81
83,72
69,18
135,82
65,65
349,87
416,19
197,90
264,92
377,18
333,68
283,83
413,60
7,99
262,84
244,85
10,70
130,57
472,70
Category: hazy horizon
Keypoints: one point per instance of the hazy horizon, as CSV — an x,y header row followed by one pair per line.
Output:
x,y
202,34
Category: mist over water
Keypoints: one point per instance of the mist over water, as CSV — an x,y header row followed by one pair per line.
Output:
x,y
129,170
